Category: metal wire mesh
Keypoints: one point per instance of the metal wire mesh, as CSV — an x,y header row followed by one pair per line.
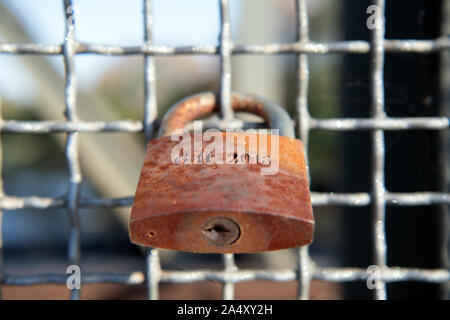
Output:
x,y
307,270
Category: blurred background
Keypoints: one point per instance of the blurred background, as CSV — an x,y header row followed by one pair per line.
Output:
x,y
111,88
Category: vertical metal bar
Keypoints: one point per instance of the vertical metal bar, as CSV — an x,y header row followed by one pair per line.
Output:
x,y
378,152
150,101
230,266
225,61
153,266
153,272
303,121
2,275
225,108
150,114
73,163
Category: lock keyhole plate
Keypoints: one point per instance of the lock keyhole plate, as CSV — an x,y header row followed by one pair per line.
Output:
x,y
221,231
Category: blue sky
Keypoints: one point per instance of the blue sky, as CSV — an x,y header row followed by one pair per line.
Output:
x,y
176,22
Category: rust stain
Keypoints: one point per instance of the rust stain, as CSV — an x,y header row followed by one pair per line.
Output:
x,y
174,203
199,106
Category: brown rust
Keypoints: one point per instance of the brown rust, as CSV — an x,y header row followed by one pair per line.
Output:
x,y
176,205
198,106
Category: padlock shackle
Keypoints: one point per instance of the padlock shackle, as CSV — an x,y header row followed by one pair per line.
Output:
x,y
204,103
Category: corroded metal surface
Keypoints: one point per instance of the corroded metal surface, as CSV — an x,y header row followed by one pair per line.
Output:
x,y
204,103
175,203
304,271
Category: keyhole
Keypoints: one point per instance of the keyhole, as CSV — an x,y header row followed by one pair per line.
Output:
x,y
221,231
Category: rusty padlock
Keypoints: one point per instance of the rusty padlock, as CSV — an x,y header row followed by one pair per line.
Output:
x,y
223,208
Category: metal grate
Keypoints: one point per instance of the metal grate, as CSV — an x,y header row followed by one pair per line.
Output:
x,y
379,197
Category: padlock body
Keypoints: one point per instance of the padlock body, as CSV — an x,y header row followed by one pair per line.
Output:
x,y
236,205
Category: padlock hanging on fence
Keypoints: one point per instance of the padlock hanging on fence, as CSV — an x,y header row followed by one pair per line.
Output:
x,y
225,207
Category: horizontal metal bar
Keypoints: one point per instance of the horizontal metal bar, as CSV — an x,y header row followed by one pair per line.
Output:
x,y
106,202
147,50
344,124
30,48
34,127
390,274
86,277
317,198
417,198
311,47
349,199
33,202
238,275
392,198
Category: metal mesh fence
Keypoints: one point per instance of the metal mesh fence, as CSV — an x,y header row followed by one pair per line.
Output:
x,y
306,270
